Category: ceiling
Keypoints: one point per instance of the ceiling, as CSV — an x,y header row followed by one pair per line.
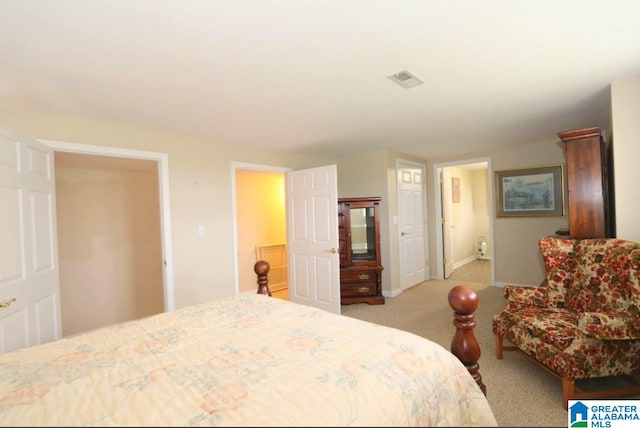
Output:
x,y
312,76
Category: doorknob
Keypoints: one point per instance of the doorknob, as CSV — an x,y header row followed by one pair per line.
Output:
x,y
332,250
404,233
7,302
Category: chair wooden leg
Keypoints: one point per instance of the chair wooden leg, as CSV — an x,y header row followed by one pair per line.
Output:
x,y
499,347
568,391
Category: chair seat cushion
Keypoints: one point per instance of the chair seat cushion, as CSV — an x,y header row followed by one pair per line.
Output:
x,y
554,326
609,326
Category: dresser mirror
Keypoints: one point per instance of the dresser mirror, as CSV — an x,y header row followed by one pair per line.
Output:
x,y
363,234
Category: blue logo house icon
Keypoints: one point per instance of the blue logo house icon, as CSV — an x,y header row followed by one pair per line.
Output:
x,y
578,413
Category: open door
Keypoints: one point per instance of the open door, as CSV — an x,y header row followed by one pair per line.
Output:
x,y
29,272
312,237
447,236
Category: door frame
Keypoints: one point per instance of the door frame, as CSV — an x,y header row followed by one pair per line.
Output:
x,y
162,160
446,208
438,210
235,166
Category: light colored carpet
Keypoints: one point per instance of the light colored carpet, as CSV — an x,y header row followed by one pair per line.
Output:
x,y
520,393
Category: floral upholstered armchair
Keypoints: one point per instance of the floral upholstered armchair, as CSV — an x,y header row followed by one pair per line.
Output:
x,y
585,322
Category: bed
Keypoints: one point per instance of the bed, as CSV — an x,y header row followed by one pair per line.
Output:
x,y
246,360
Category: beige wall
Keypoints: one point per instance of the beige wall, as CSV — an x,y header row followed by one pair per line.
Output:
x,y
365,176
199,185
470,216
515,248
463,217
200,193
260,219
481,218
625,114
374,174
108,240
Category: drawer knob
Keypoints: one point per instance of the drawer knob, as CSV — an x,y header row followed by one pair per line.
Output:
x,y
363,290
363,276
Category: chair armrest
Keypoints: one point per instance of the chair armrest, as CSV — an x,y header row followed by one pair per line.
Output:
x,y
520,295
609,326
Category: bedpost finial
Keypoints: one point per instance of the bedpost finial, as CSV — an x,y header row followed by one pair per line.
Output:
x,y
463,299
261,268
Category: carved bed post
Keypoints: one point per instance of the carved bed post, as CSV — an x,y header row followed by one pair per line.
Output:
x,y
261,268
464,301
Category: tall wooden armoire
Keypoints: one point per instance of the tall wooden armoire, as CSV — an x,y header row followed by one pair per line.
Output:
x,y
589,184
360,259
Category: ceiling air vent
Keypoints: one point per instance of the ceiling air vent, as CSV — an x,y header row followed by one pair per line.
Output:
x,y
406,79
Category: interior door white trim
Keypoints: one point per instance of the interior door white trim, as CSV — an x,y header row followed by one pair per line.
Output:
x,y
445,222
165,207
438,209
235,166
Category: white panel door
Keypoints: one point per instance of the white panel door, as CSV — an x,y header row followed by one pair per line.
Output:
x,y
29,274
411,225
312,237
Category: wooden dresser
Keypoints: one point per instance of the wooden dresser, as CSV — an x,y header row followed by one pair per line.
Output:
x,y
360,261
589,184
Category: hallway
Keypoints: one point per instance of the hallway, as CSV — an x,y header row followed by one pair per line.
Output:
x,y
478,270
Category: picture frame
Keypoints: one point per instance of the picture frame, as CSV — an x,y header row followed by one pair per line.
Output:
x,y
455,189
530,192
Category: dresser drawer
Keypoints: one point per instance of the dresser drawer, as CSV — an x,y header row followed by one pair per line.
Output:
x,y
361,275
355,289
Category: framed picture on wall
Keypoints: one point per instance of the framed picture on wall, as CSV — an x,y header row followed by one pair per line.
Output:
x,y
530,192
455,189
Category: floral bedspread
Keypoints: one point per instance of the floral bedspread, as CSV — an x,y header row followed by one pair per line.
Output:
x,y
247,360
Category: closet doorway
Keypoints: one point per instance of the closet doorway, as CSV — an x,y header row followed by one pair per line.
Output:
x,y
109,240
145,260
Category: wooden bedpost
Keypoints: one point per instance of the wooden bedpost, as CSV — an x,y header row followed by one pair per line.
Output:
x,y
464,301
261,268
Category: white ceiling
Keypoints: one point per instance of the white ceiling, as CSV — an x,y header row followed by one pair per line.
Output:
x,y
311,75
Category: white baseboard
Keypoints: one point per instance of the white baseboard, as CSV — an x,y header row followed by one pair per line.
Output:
x,y
392,293
464,262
